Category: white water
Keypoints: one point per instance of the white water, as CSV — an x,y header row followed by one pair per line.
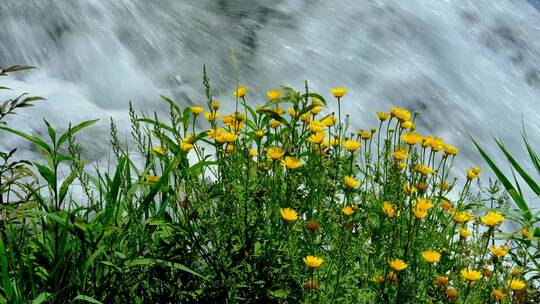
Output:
x,y
465,65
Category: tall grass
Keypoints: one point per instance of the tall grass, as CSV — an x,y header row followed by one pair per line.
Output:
x,y
282,203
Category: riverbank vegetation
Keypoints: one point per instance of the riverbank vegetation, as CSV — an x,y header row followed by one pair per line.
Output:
x,y
280,203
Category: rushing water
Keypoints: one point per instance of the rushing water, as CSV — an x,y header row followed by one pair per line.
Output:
x,y
465,65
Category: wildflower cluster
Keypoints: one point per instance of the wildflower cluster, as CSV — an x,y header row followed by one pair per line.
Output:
x,y
283,202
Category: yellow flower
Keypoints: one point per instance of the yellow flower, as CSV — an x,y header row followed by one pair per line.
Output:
x,y
451,293
347,211
423,169
278,111
273,94
463,217
288,214
450,150
515,271
313,261
471,275
406,124
516,284
419,213
252,152
443,186
422,186
226,137
476,170
316,126
151,178
190,138
436,144
464,233
292,112
431,256
423,203
379,279
275,124
241,91
492,218
211,116
389,209
334,141
411,138
338,92
160,150
259,133
214,133
350,182
311,284
426,141
229,149
525,233
391,276
441,280
195,110
383,116
316,138
397,264
228,119
401,165
351,145
471,175
275,153
500,251
366,135
329,120
446,205
215,105
185,146
408,189
401,114
292,163
305,117
400,155
316,110
497,294
316,101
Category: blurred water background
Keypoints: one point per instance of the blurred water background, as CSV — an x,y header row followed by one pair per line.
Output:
x,y
465,65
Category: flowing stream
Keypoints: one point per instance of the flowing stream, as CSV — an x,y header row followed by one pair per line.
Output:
x,y
467,66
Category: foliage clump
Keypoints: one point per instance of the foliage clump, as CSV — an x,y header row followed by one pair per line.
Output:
x,y
282,203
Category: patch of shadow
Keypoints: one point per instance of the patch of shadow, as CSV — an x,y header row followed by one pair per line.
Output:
x,y
532,76
469,17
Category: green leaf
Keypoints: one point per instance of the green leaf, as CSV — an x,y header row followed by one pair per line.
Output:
x,y
75,129
173,265
155,123
532,154
47,174
34,139
16,68
42,297
52,132
114,188
519,200
66,183
316,96
185,117
86,299
155,189
172,104
90,261
528,179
